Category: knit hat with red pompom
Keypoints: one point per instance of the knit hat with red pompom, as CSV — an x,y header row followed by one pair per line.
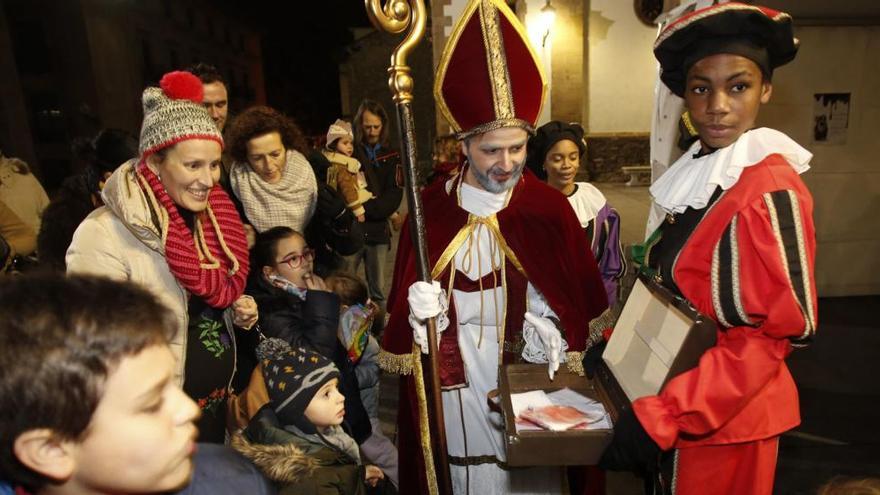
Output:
x,y
174,113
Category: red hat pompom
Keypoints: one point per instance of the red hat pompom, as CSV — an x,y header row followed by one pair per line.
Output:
x,y
180,85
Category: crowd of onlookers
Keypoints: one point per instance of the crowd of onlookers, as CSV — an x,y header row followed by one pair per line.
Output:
x,y
246,242
249,240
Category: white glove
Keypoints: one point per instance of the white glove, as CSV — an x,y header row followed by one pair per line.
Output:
x,y
550,338
426,301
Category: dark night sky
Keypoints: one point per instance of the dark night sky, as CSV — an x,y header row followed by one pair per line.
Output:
x,y
303,44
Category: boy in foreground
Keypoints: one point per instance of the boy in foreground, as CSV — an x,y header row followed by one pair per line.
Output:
x,y
88,403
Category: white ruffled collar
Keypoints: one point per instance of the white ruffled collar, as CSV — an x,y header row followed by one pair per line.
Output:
x,y
690,181
586,201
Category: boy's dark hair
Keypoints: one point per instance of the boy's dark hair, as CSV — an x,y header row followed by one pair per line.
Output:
x,y
350,289
60,337
258,121
207,73
375,108
265,249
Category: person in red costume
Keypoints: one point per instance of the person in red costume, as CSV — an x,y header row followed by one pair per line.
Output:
x,y
511,278
738,243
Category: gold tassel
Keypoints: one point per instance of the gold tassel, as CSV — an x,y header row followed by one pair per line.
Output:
x,y
398,364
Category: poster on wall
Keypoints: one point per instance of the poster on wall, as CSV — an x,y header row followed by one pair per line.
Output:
x,y
830,117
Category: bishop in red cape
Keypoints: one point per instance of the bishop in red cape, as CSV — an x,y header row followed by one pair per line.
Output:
x,y
501,244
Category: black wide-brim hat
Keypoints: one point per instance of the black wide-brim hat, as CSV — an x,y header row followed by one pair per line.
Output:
x,y
758,33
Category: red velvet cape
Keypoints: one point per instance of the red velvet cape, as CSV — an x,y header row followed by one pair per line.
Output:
x,y
542,231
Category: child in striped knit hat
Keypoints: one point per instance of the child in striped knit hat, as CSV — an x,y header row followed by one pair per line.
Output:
x,y
356,315
297,439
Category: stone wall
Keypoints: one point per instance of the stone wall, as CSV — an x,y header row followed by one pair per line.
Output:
x,y
365,75
567,76
608,152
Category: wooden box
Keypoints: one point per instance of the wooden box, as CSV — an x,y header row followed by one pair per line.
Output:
x,y
549,448
656,337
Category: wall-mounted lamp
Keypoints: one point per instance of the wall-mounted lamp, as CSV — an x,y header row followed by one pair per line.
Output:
x,y
548,16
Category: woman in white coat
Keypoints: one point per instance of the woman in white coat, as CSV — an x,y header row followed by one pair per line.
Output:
x,y
168,225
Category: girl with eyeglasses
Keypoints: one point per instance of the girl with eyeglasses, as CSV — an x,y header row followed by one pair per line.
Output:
x,y
297,307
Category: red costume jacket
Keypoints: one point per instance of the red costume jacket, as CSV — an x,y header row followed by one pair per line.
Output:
x,y
749,266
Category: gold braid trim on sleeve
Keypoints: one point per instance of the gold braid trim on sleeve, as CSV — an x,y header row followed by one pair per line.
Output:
x,y
398,364
597,326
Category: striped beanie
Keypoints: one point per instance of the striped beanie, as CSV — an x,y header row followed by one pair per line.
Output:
x,y
173,112
293,376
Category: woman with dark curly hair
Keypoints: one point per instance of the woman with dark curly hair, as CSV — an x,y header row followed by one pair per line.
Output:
x,y
270,174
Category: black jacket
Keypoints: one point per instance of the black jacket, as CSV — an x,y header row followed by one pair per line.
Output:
x,y
312,324
384,180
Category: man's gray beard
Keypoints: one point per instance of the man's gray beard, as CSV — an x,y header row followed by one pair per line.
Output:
x,y
496,187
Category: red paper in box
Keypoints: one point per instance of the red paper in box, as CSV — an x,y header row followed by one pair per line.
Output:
x,y
558,418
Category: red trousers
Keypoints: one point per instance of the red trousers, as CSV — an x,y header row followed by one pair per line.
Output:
x,y
745,468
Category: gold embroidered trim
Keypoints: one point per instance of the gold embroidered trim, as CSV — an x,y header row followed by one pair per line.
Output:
x,y
451,249
504,10
398,364
802,254
734,272
424,430
452,44
495,125
496,61
491,222
445,57
597,326
777,232
716,284
709,12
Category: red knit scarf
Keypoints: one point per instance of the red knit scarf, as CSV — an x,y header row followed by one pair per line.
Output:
x,y
211,263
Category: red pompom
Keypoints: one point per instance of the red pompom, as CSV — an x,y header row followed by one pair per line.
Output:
x,y
180,85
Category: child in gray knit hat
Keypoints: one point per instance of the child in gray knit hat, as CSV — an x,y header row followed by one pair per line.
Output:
x,y
297,439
